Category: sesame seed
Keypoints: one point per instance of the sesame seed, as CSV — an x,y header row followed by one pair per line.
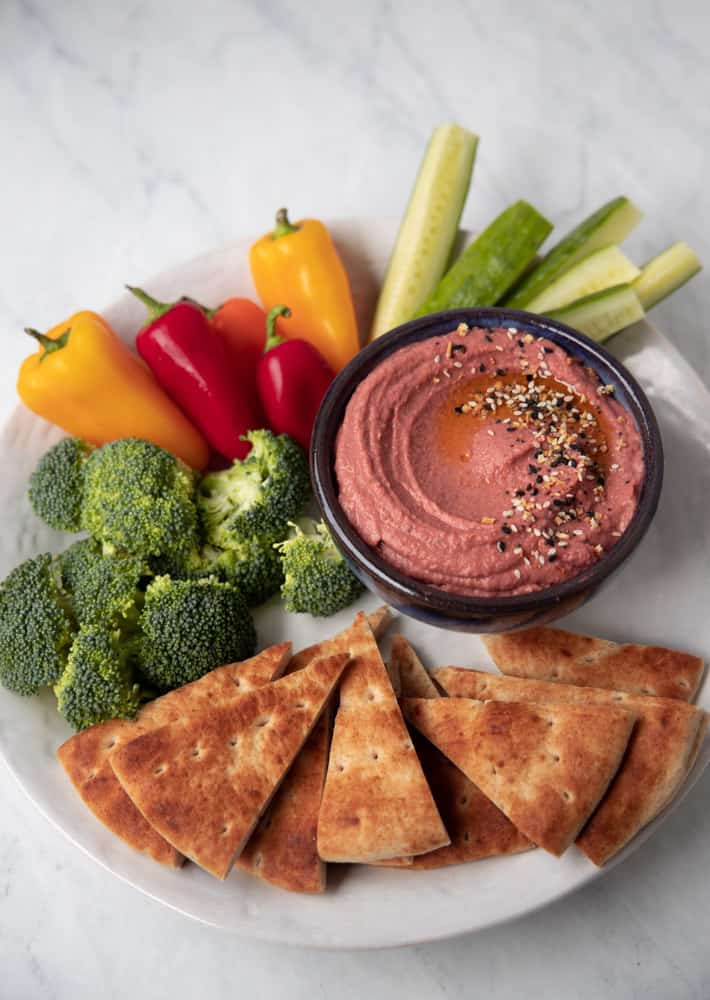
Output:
x,y
516,573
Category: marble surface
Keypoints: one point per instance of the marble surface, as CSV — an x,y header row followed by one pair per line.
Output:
x,y
139,134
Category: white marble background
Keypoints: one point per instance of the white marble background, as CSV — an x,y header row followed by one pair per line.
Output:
x,y
137,134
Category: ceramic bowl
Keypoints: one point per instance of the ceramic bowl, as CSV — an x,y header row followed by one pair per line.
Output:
x,y
460,612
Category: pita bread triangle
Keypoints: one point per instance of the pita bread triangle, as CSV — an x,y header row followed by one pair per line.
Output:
x,y
545,766
282,850
415,680
661,751
203,782
478,829
85,756
376,802
549,654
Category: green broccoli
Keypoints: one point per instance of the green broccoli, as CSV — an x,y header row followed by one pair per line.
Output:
x,y
57,484
139,499
253,566
36,626
97,682
103,588
188,627
256,497
317,580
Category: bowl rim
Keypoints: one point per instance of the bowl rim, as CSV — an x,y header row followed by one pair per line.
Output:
x,y
449,603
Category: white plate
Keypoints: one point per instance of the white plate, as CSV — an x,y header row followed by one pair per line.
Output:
x,y
660,596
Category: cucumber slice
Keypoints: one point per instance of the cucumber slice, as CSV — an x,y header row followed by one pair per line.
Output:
x,y
612,223
493,262
602,314
601,269
666,272
428,228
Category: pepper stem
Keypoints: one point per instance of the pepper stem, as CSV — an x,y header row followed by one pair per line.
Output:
x,y
155,308
272,337
283,227
50,344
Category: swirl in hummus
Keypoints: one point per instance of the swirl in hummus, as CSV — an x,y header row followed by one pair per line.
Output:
x,y
487,462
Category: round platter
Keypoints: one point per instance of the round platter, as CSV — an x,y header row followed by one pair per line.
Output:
x,y
658,597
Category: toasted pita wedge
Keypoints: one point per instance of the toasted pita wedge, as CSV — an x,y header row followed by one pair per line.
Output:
x,y
85,757
661,751
478,829
282,850
203,782
376,801
549,654
415,681
545,766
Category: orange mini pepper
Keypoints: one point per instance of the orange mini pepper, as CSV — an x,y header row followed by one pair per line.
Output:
x,y
299,264
84,379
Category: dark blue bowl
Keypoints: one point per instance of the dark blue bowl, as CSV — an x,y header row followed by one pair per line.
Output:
x,y
459,612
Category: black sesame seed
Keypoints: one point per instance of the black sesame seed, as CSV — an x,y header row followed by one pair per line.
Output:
x,y
481,368
532,469
559,503
458,409
520,493
500,546
500,371
551,558
550,542
538,479
511,430
458,347
489,338
529,377
572,463
549,350
506,529
534,491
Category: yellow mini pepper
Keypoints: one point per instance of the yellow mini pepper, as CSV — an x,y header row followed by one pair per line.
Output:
x,y
87,381
299,264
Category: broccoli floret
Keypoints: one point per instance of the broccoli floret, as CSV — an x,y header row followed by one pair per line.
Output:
x,y
97,682
257,496
140,499
36,626
57,484
253,566
103,588
256,570
189,627
317,580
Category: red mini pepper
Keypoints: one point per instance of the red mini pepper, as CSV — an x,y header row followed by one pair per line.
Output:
x,y
292,378
193,364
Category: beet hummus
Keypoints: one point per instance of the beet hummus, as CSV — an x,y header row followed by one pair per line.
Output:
x,y
487,462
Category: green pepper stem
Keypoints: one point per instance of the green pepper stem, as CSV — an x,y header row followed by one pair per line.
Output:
x,y
283,227
272,337
155,308
50,344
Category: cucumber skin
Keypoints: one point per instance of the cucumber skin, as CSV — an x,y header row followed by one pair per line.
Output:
x,y
650,297
567,314
624,272
389,312
490,265
569,250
